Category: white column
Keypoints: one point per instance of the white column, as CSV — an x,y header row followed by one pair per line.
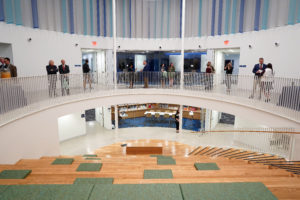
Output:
x,y
180,118
116,117
114,42
182,46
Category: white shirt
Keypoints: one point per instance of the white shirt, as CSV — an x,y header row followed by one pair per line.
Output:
x,y
268,75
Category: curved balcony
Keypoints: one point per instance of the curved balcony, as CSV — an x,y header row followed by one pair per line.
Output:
x,y
278,97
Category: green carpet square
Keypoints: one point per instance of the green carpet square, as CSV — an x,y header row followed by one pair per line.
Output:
x,y
2,188
92,158
161,156
94,181
226,191
89,155
47,192
14,174
158,174
63,161
166,161
89,167
206,166
137,192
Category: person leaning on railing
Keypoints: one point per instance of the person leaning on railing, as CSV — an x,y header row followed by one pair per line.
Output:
x,y
171,74
228,70
86,74
209,76
146,70
131,75
64,71
258,71
7,69
267,81
52,78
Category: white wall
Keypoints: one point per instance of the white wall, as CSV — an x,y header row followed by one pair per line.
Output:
x,y
99,116
177,61
70,126
6,51
107,117
32,57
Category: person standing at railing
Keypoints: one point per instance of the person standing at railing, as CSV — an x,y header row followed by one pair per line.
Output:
x,y
177,121
86,74
164,75
208,76
146,70
8,70
267,81
228,70
258,71
131,75
52,78
64,77
171,71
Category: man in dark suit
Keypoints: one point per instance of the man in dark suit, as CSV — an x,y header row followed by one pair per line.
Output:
x,y
11,67
64,77
52,78
146,71
86,74
258,71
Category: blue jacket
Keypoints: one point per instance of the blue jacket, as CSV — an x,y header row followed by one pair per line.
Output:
x,y
256,68
146,68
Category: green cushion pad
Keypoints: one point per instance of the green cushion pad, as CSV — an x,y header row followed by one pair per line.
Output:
x,y
47,192
158,174
94,181
165,161
63,161
89,167
161,156
2,188
137,192
14,174
226,191
89,155
206,166
92,158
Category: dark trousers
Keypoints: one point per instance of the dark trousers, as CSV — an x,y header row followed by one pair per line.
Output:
x,y
177,125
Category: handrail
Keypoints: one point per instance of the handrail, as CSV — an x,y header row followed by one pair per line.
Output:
x,y
245,131
19,96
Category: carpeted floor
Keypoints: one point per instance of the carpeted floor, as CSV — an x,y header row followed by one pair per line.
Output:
x,y
89,167
94,181
188,124
206,166
158,174
14,174
63,161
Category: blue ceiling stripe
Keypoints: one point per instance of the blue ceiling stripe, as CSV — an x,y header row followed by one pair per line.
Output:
x,y
71,16
2,17
154,18
257,15
168,25
233,17
227,16
162,19
18,12
180,31
213,16
124,19
220,17
35,18
64,16
241,22
264,24
149,19
200,18
104,18
98,17
9,18
130,18
91,17
298,20
84,18
292,12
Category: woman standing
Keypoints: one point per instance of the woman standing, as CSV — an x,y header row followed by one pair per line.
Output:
x,y
267,81
228,70
171,74
208,77
164,75
131,75
177,121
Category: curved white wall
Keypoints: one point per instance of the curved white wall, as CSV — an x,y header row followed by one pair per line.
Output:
x,y
36,135
32,57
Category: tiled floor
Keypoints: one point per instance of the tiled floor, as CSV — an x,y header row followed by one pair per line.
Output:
x,y
98,136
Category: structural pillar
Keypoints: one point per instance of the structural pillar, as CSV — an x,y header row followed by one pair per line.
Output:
x,y
114,42
116,117
182,45
180,118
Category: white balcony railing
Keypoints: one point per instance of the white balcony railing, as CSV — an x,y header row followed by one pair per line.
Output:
x,y
21,96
